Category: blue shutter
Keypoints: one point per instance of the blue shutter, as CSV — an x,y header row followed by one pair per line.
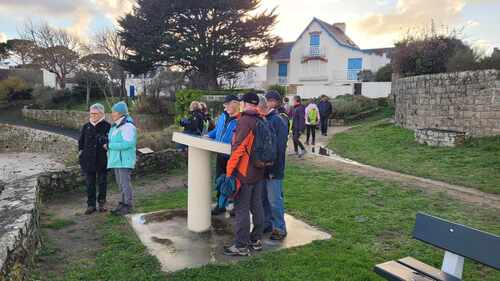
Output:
x,y
315,41
283,70
354,66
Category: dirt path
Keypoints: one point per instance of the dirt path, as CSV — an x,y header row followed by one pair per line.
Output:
x,y
70,237
339,163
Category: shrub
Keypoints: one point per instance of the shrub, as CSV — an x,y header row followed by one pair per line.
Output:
x,y
183,99
159,140
384,74
278,88
366,76
153,105
14,88
348,105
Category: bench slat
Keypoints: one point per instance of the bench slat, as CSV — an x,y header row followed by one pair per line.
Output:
x,y
394,271
459,239
427,269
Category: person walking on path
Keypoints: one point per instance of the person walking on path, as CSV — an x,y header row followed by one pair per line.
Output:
x,y
122,155
325,110
312,120
274,206
223,132
249,198
298,125
93,159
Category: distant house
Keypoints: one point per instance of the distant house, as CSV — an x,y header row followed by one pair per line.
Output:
x,y
34,77
324,60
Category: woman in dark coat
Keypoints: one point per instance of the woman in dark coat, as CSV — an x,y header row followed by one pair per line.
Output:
x,y
93,157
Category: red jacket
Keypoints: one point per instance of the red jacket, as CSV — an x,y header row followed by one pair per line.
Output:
x,y
239,163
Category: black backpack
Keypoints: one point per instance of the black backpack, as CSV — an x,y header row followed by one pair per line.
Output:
x,y
264,150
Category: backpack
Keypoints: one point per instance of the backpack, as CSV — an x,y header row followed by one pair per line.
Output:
x,y
312,116
264,149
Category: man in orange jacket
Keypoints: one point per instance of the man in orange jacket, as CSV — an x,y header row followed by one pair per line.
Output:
x,y
249,198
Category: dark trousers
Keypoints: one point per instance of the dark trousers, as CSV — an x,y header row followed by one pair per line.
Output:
x,y
220,168
249,200
324,124
296,141
311,130
101,179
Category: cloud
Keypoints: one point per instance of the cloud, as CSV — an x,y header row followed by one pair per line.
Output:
x,y
3,37
114,9
410,14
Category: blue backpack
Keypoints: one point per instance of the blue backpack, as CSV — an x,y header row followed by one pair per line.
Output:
x,y
264,150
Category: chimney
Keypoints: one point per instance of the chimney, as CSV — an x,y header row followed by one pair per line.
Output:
x,y
340,25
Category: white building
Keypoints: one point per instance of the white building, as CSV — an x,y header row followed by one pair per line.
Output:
x,y
324,60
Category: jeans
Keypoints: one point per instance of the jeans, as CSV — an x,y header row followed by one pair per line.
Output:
x,y
91,179
123,179
296,141
324,124
249,200
274,206
311,130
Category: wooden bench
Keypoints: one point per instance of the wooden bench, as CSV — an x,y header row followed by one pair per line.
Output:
x,y
458,242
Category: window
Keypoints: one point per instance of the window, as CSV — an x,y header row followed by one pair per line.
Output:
x,y
315,42
283,70
354,66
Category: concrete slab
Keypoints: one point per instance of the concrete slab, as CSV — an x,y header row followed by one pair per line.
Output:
x,y
14,166
166,236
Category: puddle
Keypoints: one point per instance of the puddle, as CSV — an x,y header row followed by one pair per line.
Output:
x,y
166,236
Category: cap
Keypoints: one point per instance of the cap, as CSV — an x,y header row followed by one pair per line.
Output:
x,y
251,98
273,95
230,98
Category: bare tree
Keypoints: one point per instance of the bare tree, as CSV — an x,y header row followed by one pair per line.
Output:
x,y
56,50
101,68
23,49
109,42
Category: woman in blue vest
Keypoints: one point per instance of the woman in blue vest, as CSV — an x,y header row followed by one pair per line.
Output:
x,y
122,154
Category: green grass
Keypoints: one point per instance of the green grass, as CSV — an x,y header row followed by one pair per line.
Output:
x,y
476,164
56,223
371,223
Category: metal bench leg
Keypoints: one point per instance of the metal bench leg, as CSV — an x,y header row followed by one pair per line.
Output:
x,y
453,264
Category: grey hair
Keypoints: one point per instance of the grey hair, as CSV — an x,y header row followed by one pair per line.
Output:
x,y
97,106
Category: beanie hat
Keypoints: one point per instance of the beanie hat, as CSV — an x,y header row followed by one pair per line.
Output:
x,y
251,98
120,107
273,95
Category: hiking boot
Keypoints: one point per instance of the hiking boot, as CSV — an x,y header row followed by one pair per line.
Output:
x,y
276,235
235,251
102,208
302,153
90,210
256,245
122,210
218,211
232,213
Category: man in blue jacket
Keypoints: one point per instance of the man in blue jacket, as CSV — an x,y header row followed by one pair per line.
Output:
x,y
223,132
274,205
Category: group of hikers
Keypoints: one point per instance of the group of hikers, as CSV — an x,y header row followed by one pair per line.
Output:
x,y
258,130
251,177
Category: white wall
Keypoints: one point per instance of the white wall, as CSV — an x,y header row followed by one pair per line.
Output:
x,y
376,89
49,79
138,83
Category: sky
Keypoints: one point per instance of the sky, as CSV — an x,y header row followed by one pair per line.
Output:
x,y
370,23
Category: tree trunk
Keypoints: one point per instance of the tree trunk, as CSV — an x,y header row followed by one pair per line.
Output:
x,y
88,93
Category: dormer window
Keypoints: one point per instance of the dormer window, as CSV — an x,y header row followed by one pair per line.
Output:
x,y
314,44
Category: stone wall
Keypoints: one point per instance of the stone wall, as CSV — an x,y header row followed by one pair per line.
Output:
x,y
19,229
465,102
23,139
76,119
71,179
436,137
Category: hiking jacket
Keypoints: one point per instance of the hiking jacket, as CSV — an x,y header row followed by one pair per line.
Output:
x,y
93,157
224,128
280,126
122,144
325,108
239,163
194,124
309,107
298,119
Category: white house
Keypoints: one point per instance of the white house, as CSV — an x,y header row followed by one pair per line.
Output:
x,y
324,60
